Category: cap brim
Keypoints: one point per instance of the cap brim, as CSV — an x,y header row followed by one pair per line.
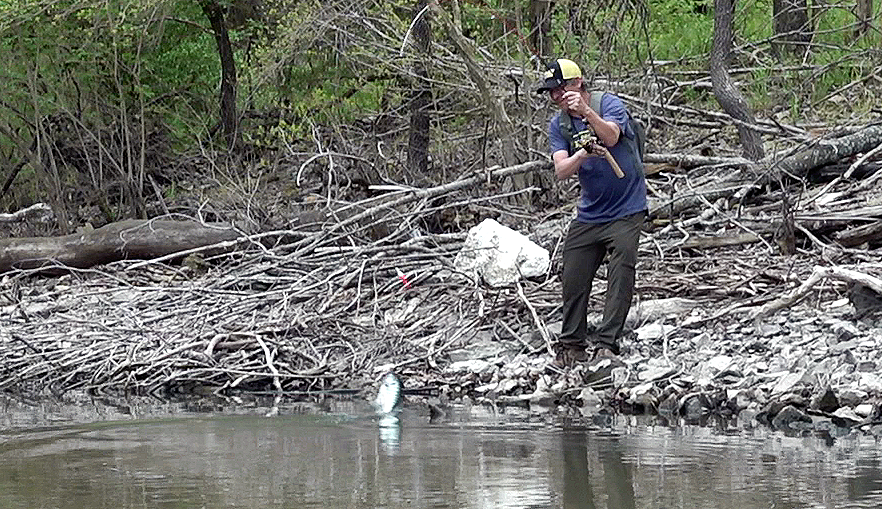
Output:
x,y
550,84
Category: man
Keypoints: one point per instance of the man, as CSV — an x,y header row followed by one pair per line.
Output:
x,y
610,213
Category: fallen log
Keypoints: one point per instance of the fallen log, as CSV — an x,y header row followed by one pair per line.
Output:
x,y
37,211
712,242
828,151
818,274
858,235
736,184
131,239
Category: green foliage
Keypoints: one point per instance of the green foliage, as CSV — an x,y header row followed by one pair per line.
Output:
x,y
679,30
311,63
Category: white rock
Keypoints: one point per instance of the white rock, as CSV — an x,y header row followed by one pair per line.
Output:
x,y
870,382
719,363
507,385
501,255
641,394
847,413
786,382
655,372
476,366
653,331
487,387
864,410
542,383
590,398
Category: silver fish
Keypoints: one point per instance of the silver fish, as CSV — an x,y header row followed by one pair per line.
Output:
x,y
388,400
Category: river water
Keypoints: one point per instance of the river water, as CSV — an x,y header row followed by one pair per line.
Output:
x,y
96,456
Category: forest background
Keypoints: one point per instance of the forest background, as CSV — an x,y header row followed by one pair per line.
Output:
x,y
256,110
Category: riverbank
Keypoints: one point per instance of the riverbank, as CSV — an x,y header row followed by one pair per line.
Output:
x,y
811,368
299,330
750,305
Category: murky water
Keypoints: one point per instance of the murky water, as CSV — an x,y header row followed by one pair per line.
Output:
x,y
476,459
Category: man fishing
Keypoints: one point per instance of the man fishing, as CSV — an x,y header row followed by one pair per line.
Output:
x,y
592,143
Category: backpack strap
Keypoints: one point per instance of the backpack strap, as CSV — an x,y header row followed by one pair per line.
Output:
x,y
565,122
595,102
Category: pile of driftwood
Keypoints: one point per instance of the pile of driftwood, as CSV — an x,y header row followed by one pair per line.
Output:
x,y
329,308
277,311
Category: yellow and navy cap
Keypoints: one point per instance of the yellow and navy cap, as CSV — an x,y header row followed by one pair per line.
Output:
x,y
558,73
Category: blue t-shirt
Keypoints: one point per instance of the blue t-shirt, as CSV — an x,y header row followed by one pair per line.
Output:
x,y
605,197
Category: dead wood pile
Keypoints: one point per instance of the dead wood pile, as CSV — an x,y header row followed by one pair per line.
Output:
x,y
329,310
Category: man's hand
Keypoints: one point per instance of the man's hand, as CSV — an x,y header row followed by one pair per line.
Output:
x,y
586,139
576,103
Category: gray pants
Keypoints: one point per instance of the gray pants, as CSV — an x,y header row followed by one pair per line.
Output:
x,y
585,248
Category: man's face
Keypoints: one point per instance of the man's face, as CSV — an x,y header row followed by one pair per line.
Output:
x,y
557,94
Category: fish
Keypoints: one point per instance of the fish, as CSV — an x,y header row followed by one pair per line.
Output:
x,y
388,400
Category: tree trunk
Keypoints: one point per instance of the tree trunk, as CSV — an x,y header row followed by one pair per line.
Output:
x,y
540,13
864,14
505,129
726,92
421,94
131,239
791,27
228,117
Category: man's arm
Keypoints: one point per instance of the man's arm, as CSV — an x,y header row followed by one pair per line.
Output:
x,y
607,130
565,165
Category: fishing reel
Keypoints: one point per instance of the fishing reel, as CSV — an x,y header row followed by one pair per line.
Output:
x,y
588,140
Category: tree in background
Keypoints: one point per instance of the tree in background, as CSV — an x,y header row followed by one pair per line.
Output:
x,y
229,119
540,27
864,13
792,30
727,94
421,93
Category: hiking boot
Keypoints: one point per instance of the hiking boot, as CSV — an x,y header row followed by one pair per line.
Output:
x,y
568,356
599,370
602,353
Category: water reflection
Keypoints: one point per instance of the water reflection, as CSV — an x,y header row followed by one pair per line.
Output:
x,y
477,460
390,432
617,485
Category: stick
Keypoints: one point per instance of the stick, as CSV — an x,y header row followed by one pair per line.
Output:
x,y
610,159
41,211
539,324
817,275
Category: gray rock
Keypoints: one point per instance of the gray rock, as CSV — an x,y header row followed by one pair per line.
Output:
x,y
852,397
843,346
670,405
651,310
769,330
693,408
787,382
866,366
822,423
844,331
825,400
788,418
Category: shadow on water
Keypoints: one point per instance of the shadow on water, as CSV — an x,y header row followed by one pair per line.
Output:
x,y
342,456
617,480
